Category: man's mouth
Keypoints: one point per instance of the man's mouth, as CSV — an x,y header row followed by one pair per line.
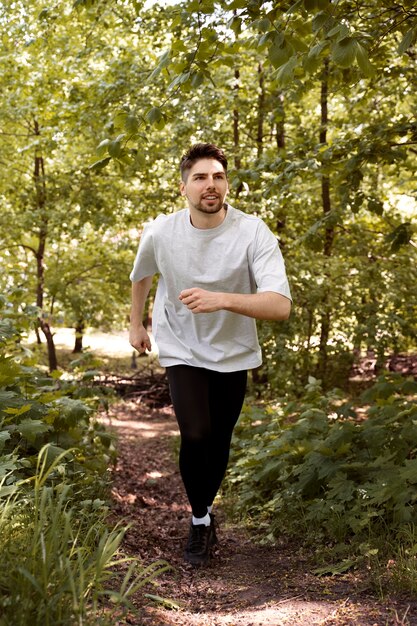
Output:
x,y
210,197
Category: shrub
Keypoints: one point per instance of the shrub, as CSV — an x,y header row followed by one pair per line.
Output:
x,y
319,463
37,409
59,561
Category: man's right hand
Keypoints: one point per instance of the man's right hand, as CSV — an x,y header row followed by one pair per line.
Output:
x,y
139,339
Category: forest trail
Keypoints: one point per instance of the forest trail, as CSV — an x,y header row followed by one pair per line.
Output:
x,y
245,584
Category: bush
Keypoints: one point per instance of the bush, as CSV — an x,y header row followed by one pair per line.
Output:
x,y
321,464
37,409
59,561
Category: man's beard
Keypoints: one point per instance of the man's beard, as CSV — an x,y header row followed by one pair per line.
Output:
x,y
210,210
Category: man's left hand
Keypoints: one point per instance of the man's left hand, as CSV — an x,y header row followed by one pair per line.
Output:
x,y
201,301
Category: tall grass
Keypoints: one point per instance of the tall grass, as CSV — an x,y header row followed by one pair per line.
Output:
x,y
59,562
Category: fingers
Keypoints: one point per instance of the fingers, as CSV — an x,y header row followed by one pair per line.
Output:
x,y
187,295
190,298
199,300
141,348
140,344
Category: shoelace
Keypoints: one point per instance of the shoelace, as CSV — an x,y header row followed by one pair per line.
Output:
x,y
198,538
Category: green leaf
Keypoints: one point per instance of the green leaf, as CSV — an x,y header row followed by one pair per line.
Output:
x,y
235,25
7,490
334,569
114,148
285,73
156,117
97,166
18,411
164,61
4,436
375,206
319,20
263,25
279,54
344,52
400,236
197,78
102,147
72,411
7,464
131,123
407,40
165,602
314,60
237,4
294,7
30,429
8,399
363,60
314,5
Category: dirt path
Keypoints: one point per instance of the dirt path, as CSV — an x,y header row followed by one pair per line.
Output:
x,y
245,584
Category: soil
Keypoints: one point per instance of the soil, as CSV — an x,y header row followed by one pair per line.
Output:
x,y
246,583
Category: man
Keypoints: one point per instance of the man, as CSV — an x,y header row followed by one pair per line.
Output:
x,y
219,270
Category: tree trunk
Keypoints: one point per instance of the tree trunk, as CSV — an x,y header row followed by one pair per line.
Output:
x,y
329,231
38,336
236,131
79,334
280,122
261,112
280,130
40,187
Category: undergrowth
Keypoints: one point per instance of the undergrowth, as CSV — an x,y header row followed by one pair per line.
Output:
x,y
61,563
336,475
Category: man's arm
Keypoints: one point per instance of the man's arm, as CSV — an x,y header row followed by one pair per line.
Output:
x,y
266,305
138,336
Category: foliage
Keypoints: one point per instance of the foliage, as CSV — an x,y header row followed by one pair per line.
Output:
x,y
321,464
304,97
36,409
60,562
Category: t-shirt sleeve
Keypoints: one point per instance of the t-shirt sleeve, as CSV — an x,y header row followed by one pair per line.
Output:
x,y
268,263
145,261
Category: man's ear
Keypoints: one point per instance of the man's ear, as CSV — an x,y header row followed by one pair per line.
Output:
x,y
182,188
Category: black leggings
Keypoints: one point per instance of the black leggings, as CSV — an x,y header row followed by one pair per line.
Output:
x,y
207,405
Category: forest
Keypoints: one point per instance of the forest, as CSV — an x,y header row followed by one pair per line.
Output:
x,y
312,101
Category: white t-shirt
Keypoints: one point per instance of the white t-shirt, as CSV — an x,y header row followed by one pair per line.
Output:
x,y
241,255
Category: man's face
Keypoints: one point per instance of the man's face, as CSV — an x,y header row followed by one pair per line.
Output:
x,y
206,186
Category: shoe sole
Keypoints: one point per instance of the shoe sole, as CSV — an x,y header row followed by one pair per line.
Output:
x,y
197,561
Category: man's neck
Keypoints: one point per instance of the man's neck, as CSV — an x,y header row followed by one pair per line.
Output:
x,y
204,221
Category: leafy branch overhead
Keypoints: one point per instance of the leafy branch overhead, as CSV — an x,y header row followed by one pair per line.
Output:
x,y
314,104
208,45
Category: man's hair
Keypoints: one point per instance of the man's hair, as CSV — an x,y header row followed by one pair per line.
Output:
x,y
201,151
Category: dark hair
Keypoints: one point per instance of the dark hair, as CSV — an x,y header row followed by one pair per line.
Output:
x,y
201,151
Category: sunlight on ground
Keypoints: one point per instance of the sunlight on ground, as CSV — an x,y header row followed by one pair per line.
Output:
x,y
287,612
146,429
114,344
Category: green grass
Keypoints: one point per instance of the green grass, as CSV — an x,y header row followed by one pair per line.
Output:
x,y
60,564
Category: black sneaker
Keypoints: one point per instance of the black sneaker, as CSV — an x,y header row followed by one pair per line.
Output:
x,y
213,538
197,550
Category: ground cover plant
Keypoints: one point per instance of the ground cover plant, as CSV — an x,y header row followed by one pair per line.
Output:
x,y
340,474
60,559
